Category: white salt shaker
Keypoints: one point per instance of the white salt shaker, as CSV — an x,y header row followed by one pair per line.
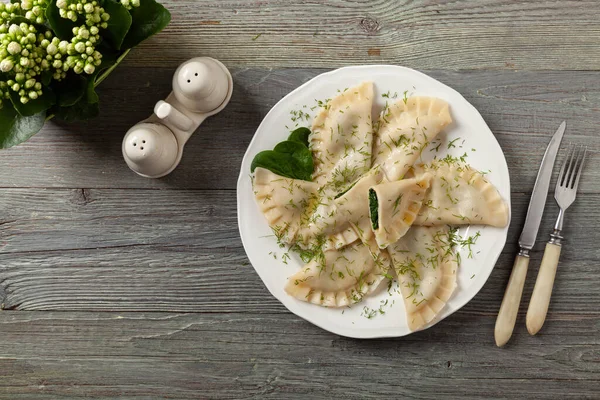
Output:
x,y
202,87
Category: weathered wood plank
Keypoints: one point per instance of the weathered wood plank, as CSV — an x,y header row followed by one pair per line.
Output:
x,y
523,109
420,34
263,355
133,250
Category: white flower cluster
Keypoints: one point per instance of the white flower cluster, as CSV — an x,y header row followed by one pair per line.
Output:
x,y
26,53
23,59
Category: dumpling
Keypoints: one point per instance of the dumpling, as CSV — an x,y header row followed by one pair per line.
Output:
x,y
460,195
338,277
405,129
426,269
350,207
342,139
394,207
285,202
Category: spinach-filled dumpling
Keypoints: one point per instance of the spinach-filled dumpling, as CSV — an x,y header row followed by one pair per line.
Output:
x,y
342,139
460,195
426,267
394,207
405,129
284,202
339,277
342,218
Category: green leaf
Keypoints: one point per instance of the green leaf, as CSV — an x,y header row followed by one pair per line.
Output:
x,y
118,24
300,135
289,159
62,27
81,110
70,90
15,129
148,19
42,103
300,153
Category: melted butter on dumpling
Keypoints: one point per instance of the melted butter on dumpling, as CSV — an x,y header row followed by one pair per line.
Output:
x,y
460,195
426,269
338,277
405,129
285,202
342,139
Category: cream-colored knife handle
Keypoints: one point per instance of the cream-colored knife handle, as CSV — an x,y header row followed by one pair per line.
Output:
x,y
507,315
540,299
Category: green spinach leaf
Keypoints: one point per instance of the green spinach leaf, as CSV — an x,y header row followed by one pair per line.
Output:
x,y
15,129
118,24
147,20
298,152
300,135
289,159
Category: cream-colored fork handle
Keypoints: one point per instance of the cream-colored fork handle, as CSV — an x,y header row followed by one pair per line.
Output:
x,y
505,323
540,299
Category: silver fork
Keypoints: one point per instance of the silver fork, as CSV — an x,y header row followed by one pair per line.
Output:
x,y
565,193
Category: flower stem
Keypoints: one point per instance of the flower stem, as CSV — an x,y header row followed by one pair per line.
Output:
x,y
103,75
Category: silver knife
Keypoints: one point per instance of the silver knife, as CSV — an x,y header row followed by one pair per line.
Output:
x,y
507,315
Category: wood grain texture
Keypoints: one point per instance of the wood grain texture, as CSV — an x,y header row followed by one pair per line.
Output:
x,y
523,109
260,355
133,250
457,35
115,286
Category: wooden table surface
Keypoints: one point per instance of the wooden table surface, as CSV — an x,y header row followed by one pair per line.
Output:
x,y
115,286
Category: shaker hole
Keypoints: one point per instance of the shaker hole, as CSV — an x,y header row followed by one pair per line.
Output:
x,y
189,81
135,144
196,74
143,141
141,148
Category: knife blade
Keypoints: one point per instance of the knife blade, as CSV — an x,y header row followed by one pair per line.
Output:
x,y
507,316
540,191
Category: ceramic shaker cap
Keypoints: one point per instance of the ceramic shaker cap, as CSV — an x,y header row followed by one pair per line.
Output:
x,y
150,149
201,84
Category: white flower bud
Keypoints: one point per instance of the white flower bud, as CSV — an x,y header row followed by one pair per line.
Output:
x,y
37,86
15,30
24,61
52,49
89,8
14,47
89,69
24,100
80,47
29,83
62,4
6,65
33,95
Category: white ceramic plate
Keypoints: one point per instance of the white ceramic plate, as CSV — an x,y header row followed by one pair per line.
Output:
x,y
472,133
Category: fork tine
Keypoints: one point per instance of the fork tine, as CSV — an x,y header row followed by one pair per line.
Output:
x,y
576,184
569,173
576,164
561,174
